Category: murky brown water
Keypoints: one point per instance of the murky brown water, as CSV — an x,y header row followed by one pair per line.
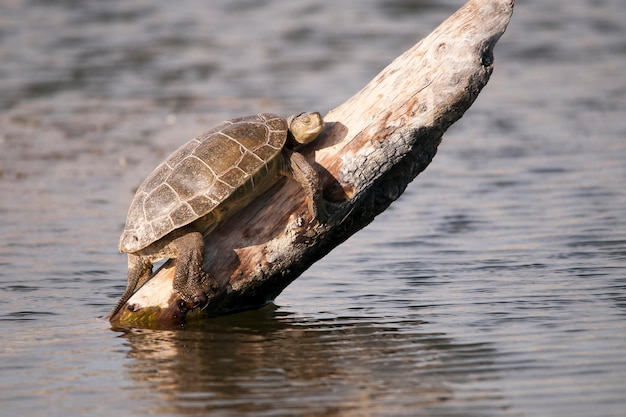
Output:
x,y
496,285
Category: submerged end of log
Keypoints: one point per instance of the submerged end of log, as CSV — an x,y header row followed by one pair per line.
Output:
x,y
373,146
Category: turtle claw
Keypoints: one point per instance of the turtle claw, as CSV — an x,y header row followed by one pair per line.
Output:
x,y
193,295
325,213
193,300
198,293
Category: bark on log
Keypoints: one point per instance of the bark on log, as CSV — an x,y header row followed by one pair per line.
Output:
x,y
372,147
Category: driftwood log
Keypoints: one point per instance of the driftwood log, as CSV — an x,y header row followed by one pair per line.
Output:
x,y
373,145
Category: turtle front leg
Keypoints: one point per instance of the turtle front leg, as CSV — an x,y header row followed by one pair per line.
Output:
x,y
139,272
298,168
190,280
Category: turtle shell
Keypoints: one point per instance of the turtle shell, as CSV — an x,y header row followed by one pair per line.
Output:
x,y
203,173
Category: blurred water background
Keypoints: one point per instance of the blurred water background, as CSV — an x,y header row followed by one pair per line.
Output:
x,y
496,285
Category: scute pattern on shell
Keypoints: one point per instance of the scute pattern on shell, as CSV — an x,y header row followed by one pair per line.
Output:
x,y
199,175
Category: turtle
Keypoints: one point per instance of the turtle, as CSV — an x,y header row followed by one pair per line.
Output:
x,y
204,182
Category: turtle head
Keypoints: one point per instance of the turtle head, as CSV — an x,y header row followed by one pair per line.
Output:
x,y
305,127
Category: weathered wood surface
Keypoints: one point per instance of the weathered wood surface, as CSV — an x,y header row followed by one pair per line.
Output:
x,y
374,144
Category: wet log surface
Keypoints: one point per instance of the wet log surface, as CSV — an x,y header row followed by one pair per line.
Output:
x,y
373,146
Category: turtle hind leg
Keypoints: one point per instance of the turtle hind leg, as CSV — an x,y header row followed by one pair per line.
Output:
x,y
139,272
190,280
